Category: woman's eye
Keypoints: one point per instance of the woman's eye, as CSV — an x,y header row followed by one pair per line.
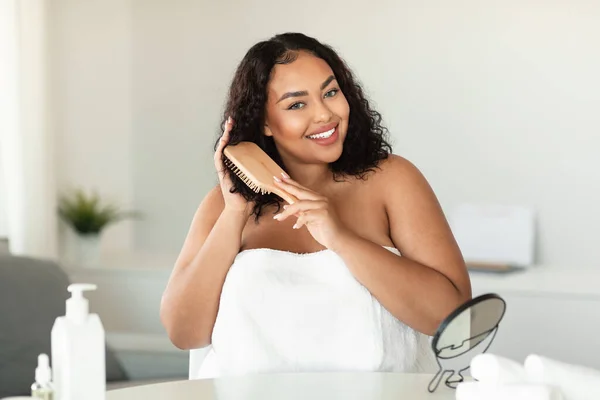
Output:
x,y
331,93
296,106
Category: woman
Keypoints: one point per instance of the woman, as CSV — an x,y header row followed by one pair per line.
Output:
x,y
355,275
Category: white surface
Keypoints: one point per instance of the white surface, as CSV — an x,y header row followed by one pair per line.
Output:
x,y
576,382
496,370
495,101
495,234
515,391
351,386
286,312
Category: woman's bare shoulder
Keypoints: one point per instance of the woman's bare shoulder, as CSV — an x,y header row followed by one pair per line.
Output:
x,y
394,171
395,164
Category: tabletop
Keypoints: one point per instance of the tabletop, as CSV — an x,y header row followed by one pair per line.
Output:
x,y
301,386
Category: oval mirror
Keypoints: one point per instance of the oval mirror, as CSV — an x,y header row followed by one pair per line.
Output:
x,y
466,332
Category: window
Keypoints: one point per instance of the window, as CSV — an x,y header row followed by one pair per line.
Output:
x,y
8,97
3,214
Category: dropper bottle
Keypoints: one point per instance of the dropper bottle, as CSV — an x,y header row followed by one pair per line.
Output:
x,y
42,388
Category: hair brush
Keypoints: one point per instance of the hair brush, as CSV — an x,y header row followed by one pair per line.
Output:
x,y
256,169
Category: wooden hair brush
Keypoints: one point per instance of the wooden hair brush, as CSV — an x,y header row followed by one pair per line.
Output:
x,y
253,166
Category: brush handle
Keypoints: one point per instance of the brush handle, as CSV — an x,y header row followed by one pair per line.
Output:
x,y
285,195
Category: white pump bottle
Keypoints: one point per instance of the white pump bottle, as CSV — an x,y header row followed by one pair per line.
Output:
x,y
78,350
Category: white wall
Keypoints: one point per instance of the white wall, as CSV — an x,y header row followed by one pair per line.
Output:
x,y
494,101
90,55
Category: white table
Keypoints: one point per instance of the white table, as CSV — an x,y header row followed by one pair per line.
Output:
x,y
314,386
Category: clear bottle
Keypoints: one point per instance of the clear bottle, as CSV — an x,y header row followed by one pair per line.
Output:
x,y
42,388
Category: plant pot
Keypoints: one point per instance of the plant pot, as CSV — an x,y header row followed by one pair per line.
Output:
x,y
86,250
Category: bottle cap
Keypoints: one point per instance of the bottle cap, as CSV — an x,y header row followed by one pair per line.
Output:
x,y
43,373
77,305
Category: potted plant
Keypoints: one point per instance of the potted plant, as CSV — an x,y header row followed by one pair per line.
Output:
x,y
88,216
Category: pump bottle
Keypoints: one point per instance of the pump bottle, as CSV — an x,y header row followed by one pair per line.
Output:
x,y
78,350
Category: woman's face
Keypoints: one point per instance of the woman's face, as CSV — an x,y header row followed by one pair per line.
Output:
x,y
306,112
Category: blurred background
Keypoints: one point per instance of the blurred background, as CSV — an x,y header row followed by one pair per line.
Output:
x,y
497,102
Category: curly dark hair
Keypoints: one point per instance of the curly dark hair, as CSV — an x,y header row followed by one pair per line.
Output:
x,y
365,144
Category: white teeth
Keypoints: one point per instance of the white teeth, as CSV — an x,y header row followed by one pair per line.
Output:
x,y
323,135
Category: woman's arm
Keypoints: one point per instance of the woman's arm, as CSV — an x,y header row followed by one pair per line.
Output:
x,y
430,279
190,301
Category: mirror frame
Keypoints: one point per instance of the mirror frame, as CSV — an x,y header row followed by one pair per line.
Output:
x,y
490,333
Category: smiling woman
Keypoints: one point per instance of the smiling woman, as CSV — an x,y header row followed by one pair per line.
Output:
x,y
291,87
354,275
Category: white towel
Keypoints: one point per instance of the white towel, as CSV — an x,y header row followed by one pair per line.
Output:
x,y
516,391
497,370
286,312
576,382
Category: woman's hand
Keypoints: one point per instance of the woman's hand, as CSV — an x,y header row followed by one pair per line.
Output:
x,y
314,211
234,202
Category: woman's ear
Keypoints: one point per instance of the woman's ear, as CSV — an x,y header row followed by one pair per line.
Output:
x,y
268,131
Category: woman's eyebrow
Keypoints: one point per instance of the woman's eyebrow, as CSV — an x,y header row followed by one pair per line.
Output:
x,y
293,94
327,82
301,93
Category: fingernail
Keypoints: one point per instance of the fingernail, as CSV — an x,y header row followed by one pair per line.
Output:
x,y
295,226
228,120
285,207
286,176
277,179
276,216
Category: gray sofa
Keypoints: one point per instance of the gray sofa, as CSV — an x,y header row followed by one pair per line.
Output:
x,y
32,295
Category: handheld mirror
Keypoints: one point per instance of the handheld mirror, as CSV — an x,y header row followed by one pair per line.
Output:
x,y
466,332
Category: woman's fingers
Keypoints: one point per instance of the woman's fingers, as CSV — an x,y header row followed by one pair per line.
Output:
x,y
222,143
308,217
300,222
300,207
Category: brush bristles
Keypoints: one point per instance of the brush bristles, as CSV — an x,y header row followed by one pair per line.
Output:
x,y
249,182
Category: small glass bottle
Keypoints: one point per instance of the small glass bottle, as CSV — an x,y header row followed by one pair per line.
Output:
x,y
42,388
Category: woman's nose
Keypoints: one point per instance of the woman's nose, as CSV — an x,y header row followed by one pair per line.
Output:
x,y
322,113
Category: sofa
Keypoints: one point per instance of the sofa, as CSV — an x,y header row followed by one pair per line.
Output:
x,y
32,294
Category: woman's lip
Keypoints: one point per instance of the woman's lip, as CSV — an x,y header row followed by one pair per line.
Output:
x,y
328,141
325,128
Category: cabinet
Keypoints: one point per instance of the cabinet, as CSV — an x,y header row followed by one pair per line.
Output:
x,y
553,312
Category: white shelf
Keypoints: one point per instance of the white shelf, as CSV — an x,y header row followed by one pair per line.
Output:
x,y
541,280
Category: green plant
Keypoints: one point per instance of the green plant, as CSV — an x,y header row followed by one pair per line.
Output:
x,y
86,215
